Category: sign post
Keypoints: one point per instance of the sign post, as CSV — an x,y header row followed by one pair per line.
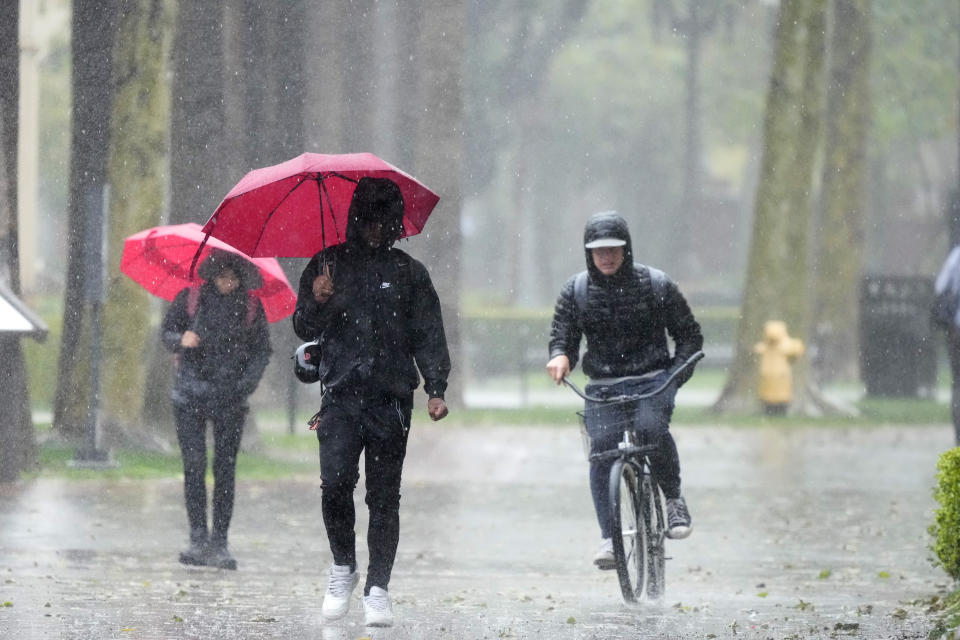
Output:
x,y
94,294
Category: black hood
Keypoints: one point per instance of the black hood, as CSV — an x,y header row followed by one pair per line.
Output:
x,y
376,199
219,260
608,224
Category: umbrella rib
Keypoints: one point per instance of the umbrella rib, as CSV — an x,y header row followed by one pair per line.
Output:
x,y
323,185
334,174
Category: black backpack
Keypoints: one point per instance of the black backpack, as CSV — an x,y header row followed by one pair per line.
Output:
x,y
658,282
944,309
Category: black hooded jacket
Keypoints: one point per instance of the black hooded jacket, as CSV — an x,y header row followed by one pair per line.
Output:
x,y
234,343
625,326
381,325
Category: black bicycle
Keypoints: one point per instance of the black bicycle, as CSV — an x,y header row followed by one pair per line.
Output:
x,y
636,501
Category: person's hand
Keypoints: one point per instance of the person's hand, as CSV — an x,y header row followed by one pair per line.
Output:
x,y
558,368
189,340
437,409
323,286
246,387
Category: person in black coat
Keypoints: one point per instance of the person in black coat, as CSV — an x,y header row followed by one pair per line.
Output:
x,y
376,318
625,311
218,331
946,316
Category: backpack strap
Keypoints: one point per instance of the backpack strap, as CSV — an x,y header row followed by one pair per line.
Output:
x,y
580,290
658,283
193,299
251,308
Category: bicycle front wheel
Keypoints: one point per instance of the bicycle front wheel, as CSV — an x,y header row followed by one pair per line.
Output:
x,y
653,535
628,529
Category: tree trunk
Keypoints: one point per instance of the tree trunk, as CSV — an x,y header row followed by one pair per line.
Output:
x,y
776,285
840,244
199,177
273,91
357,75
19,449
93,29
323,102
136,170
439,161
684,254
9,136
523,75
198,153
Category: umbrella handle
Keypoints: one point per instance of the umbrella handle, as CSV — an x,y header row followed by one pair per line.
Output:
x,y
196,256
328,267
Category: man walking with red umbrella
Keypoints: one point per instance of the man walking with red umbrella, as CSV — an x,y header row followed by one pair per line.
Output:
x,y
376,317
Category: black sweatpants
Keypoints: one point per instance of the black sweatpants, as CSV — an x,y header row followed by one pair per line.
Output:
x,y
379,429
191,434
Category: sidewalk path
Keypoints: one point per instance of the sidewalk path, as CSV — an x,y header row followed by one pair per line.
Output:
x,y
804,533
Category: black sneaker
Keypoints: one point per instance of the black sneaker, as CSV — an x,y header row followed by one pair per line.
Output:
x,y
219,557
196,553
678,519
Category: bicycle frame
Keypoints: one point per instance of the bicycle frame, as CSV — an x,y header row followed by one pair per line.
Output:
x,y
634,492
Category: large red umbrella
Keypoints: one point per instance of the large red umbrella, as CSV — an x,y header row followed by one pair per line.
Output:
x,y
298,207
159,260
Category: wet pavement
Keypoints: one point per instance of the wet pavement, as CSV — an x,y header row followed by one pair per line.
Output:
x,y
798,533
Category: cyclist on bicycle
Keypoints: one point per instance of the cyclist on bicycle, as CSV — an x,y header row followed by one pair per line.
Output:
x,y
625,310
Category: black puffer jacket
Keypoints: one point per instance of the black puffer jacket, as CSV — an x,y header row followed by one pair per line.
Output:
x,y
233,352
382,323
625,327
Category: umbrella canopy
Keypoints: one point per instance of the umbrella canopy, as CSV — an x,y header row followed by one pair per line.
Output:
x,y
298,207
159,260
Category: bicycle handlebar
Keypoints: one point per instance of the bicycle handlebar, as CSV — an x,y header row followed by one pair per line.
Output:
x,y
689,362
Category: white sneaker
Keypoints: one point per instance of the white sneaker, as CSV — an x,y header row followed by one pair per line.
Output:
x,y
604,556
377,609
336,602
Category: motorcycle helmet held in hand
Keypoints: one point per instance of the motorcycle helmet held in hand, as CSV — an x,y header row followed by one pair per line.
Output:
x,y
306,362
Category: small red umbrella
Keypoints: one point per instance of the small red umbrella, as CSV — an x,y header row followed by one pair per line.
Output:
x,y
298,207
159,260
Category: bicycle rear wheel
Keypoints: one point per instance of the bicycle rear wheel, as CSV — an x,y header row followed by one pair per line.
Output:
x,y
628,529
653,535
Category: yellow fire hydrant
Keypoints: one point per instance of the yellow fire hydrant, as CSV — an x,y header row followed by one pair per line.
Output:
x,y
777,353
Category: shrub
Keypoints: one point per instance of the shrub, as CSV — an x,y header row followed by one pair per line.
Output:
x,y
946,526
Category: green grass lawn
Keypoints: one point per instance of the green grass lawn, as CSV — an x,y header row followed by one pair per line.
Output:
x,y
874,411
54,460
272,460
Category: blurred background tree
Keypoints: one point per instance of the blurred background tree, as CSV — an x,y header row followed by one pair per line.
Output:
x,y
137,165
93,30
777,271
528,118
839,230
19,451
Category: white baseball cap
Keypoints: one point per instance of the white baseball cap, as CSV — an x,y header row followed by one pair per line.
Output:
x,y
604,242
